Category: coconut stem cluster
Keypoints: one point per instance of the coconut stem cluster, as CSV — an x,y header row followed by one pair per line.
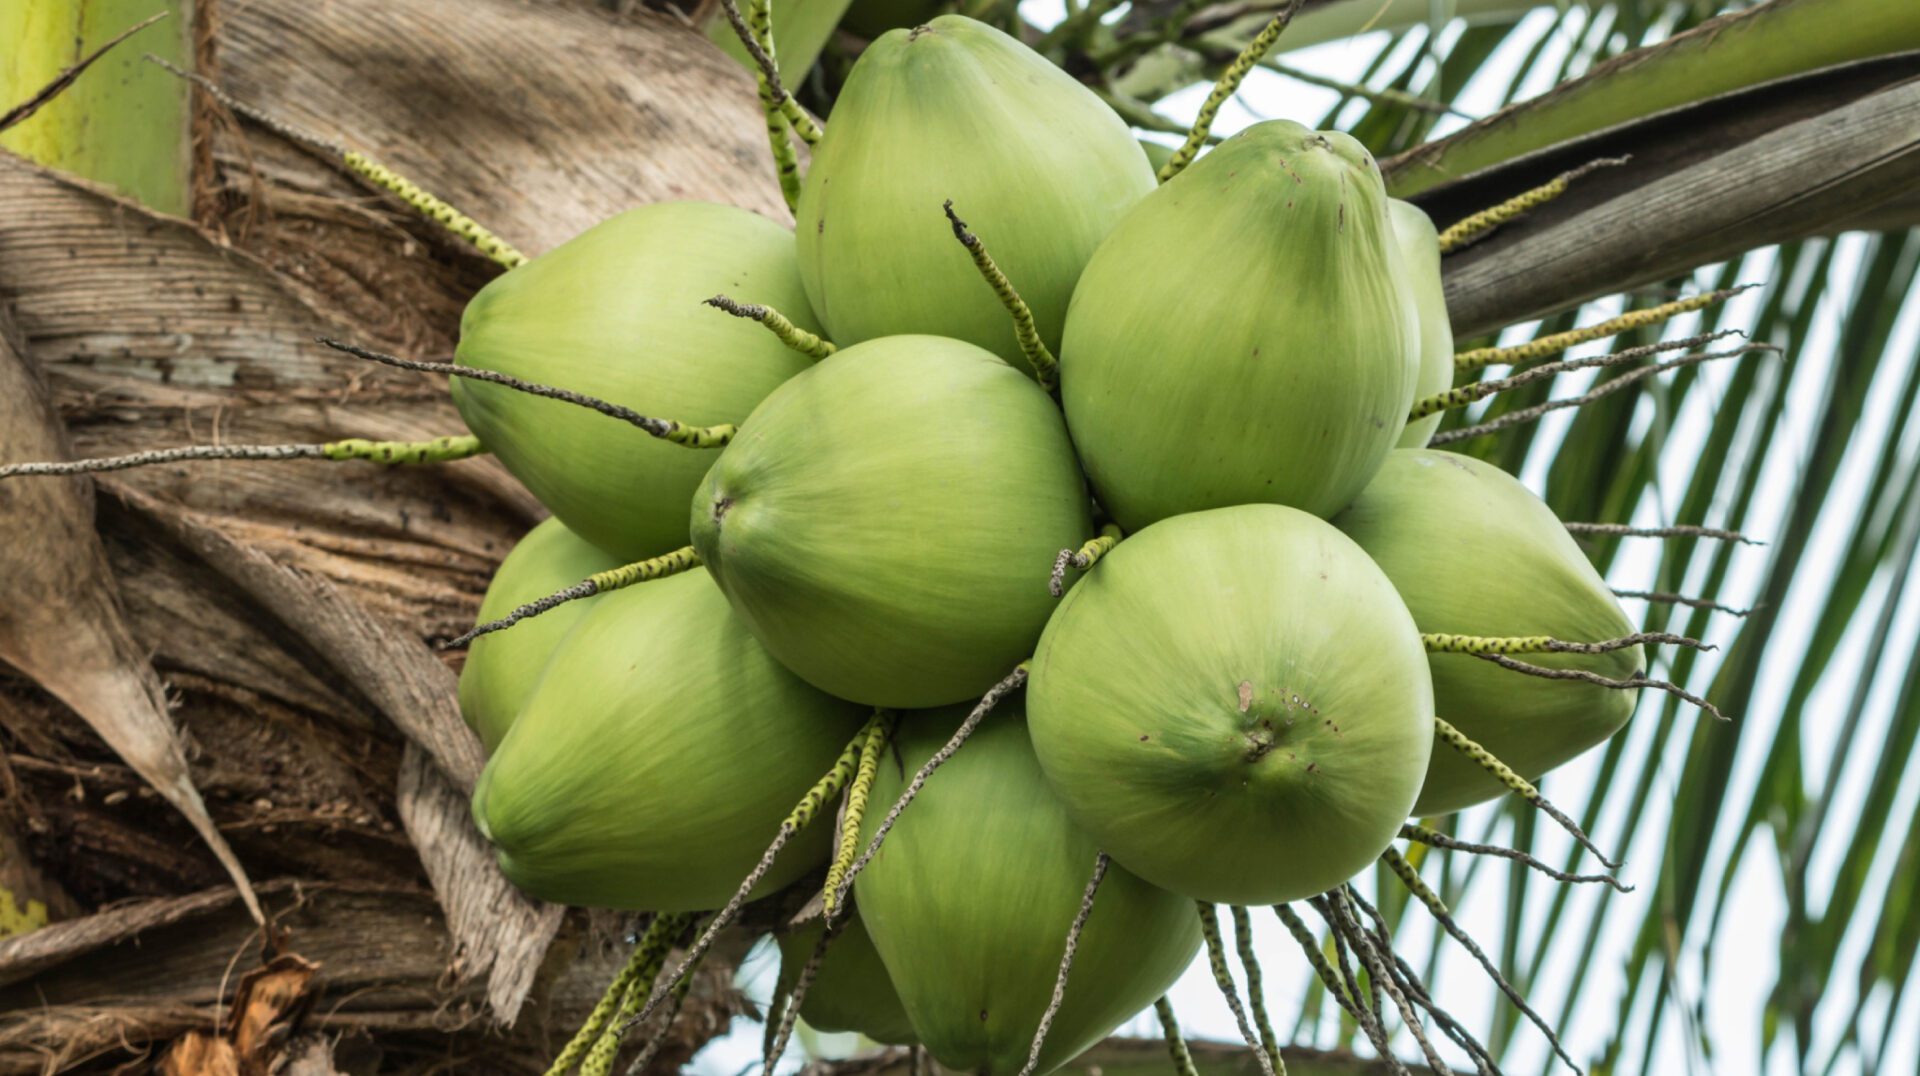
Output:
x,y
423,201
1520,786
1013,682
809,344
1303,586
1457,398
854,809
642,968
1629,683
1553,343
1083,558
1101,862
1176,1042
1435,839
1383,972
1605,389
1046,369
1442,915
676,432
1330,979
1365,1009
602,582
436,450
1226,86
1270,1063
1479,225
802,815
790,1010
1256,994
1441,643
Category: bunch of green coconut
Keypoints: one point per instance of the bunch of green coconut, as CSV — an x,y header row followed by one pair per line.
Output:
x,y
1134,456
1234,699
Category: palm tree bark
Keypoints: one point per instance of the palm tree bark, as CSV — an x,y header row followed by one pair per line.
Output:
x,y
289,608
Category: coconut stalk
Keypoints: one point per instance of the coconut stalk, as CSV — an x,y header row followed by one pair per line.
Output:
x,y
123,123
802,28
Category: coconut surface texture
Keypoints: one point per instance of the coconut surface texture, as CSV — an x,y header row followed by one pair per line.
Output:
x,y
1235,704
503,666
885,522
1038,167
970,898
1474,552
616,313
851,991
1242,337
1418,244
655,760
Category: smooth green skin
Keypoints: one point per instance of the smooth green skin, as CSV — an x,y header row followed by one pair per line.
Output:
x,y
970,898
1038,167
503,667
1236,705
1474,552
657,757
885,522
851,991
1418,244
1242,337
616,313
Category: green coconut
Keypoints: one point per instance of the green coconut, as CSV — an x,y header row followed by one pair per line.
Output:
x,y
503,667
1038,166
851,991
970,898
1243,336
886,521
1235,704
1419,248
655,760
616,313
1474,552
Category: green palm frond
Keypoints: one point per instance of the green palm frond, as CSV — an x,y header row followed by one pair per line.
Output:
x,y
1740,177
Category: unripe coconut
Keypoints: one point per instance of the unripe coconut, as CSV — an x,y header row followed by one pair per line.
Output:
x,y
657,757
885,522
1419,247
1235,704
1039,167
616,313
1243,335
970,898
851,991
503,667
1474,552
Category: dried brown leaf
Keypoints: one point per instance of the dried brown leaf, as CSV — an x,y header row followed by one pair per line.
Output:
x,y
60,615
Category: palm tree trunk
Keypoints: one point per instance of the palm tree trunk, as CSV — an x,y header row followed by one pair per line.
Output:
x,y
288,608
